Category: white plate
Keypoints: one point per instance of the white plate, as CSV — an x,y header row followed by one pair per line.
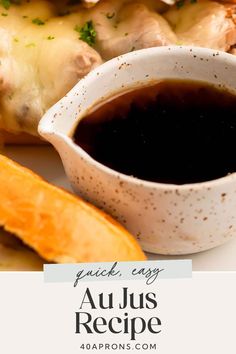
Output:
x,y
46,162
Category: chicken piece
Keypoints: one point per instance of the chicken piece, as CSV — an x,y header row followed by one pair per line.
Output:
x,y
204,23
126,26
41,59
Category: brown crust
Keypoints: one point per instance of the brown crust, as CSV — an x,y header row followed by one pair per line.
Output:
x,y
20,139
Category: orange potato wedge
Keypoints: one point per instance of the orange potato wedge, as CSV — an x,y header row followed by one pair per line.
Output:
x,y
59,226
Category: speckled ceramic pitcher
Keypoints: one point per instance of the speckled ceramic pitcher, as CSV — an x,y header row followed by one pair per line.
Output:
x,y
166,219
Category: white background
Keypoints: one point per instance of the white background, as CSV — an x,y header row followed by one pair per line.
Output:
x,y
198,314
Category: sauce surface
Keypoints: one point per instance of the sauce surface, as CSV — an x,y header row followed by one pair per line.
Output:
x,y
173,132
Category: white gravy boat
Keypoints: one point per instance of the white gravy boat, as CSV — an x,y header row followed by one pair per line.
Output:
x,y
166,219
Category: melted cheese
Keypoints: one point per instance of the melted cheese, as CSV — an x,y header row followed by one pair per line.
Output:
x,y
40,63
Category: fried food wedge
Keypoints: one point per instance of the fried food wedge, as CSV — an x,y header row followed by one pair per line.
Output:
x,y
59,226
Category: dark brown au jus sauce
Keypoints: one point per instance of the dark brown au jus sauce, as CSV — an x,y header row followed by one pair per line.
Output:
x,y
172,132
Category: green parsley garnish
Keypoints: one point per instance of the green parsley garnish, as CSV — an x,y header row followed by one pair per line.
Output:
x,y
110,16
38,21
16,40
4,14
5,3
50,38
87,33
